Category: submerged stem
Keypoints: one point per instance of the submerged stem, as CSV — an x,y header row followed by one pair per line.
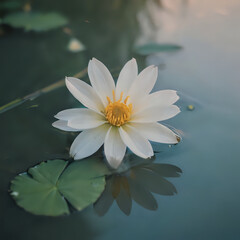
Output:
x,y
38,93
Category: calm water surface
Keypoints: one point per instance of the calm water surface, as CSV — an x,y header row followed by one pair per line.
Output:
x,y
206,74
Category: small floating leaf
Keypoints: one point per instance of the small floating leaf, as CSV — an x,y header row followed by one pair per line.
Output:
x,y
151,48
35,21
46,187
10,5
76,46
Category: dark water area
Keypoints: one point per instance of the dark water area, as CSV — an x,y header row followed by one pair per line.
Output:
x,y
206,75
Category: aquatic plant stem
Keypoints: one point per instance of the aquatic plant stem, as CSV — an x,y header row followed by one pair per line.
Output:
x,y
36,94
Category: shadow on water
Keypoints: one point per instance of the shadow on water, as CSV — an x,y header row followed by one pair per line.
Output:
x,y
137,184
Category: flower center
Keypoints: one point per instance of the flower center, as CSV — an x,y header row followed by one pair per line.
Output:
x,y
117,112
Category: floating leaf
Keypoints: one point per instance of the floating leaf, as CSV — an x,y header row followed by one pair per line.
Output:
x,y
83,182
76,46
10,5
151,48
35,21
46,187
37,192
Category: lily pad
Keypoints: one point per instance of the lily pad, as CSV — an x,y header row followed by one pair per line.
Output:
x,y
151,48
10,5
46,187
83,182
35,21
37,191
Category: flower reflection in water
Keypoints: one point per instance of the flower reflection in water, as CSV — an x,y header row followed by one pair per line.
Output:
x,y
138,184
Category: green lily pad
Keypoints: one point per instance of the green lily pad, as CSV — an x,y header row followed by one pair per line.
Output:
x,y
151,48
46,187
37,192
83,182
10,5
35,21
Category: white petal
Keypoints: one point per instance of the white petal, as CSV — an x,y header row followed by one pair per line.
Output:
x,y
69,114
84,93
61,124
154,114
126,77
159,98
88,142
101,80
143,84
156,132
136,142
114,147
85,119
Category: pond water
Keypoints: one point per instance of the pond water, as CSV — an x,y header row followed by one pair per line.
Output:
x,y
206,75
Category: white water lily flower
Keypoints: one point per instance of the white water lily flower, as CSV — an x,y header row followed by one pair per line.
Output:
x,y
125,115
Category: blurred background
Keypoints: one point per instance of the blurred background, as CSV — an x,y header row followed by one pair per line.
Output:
x,y
195,44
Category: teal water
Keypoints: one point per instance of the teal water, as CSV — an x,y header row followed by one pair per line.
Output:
x,y
206,74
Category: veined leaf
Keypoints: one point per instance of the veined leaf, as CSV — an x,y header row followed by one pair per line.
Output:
x,y
46,187
37,192
83,182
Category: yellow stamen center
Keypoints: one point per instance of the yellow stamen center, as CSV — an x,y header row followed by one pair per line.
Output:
x,y
117,112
